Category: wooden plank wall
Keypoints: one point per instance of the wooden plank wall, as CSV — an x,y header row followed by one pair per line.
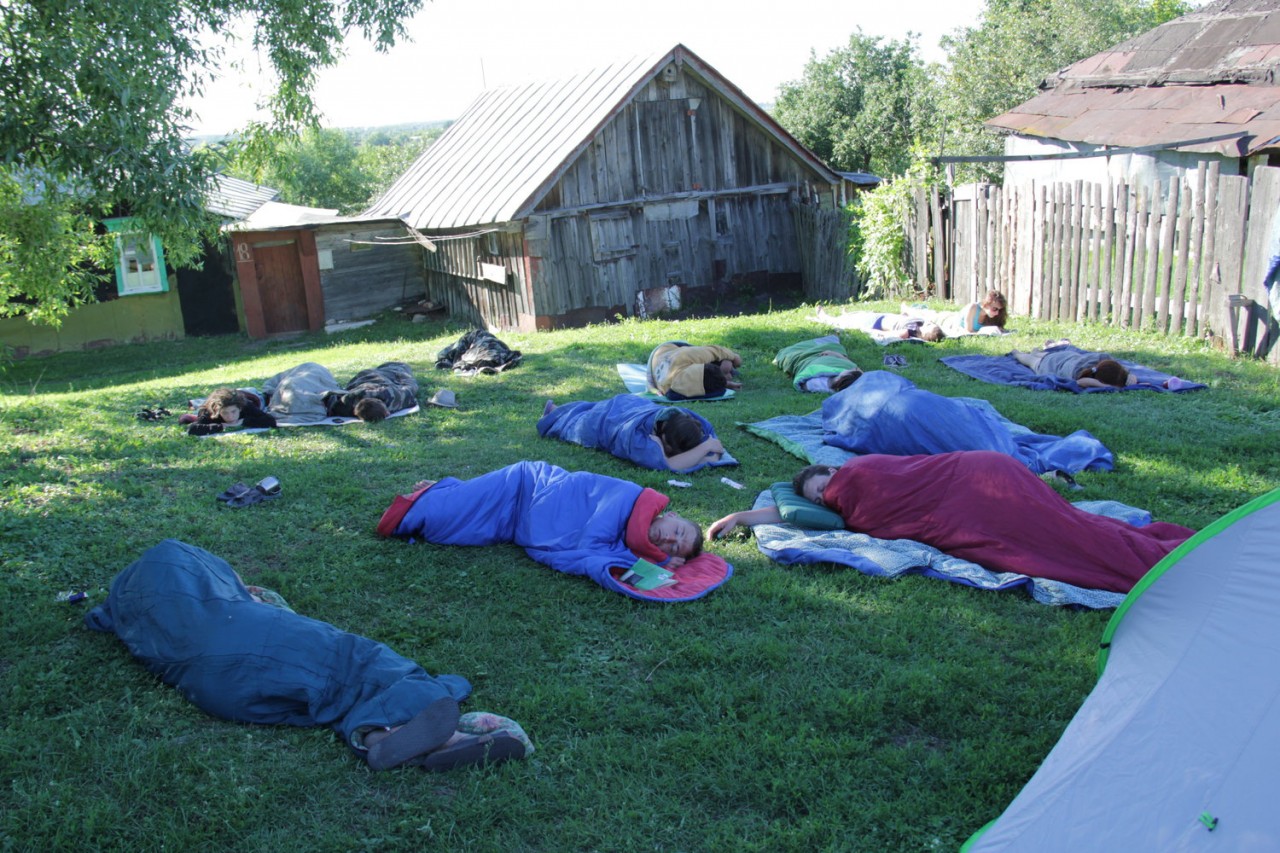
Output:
x,y
367,279
827,264
707,193
1173,258
454,279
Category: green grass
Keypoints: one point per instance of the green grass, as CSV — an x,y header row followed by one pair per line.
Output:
x,y
795,709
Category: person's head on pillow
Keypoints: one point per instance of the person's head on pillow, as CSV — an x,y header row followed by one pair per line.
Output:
x,y
812,481
371,410
678,432
677,536
1111,372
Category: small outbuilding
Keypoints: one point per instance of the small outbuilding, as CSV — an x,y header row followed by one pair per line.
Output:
x,y
1199,88
620,191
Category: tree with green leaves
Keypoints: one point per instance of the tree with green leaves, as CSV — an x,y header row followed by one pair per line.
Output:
x,y
1000,62
94,113
326,167
860,107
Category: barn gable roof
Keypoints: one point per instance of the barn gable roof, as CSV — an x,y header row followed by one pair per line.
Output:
x,y
508,149
1209,73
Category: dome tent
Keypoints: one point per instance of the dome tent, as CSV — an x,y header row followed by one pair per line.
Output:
x,y
1175,747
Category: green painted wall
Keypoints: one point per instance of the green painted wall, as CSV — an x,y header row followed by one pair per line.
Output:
x,y
129,319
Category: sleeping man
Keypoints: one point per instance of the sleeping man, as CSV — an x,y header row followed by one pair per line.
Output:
x,y
820,365
240,654
575,522
664,438
886,413
981,506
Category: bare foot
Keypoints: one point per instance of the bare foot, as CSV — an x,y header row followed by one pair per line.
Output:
x,y
422,484
549,408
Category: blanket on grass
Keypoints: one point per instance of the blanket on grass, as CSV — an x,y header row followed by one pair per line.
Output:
x,y
624,426
886,413
889,558
572,521
1007,370
636,378
327,421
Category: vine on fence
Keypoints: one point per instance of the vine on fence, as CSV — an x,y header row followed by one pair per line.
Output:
x,y
880,228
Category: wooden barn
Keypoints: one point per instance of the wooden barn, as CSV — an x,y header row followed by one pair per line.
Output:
x,y
618,192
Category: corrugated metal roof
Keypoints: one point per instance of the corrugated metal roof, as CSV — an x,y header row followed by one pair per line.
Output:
x,y
1207,73
236,199
510,147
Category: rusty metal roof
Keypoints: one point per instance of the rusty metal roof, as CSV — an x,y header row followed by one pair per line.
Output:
x,y
1207,73
496,162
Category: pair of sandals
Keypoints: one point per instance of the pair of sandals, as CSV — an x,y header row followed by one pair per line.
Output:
x,y
157,414
241,495
427,740
895,361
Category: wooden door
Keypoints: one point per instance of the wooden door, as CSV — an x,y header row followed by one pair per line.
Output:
x,y
281,287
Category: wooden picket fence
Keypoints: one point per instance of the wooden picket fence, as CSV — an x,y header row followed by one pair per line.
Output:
x,y
1185,257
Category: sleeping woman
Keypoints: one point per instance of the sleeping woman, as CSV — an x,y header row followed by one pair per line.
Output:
x,y
1086,369
983,507
659,437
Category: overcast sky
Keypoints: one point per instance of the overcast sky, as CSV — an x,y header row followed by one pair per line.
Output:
x,y
462,47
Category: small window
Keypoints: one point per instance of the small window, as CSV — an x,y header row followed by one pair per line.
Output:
x,y
611,236
139,260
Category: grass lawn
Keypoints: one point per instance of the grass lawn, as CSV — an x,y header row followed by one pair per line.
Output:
x,y
792,710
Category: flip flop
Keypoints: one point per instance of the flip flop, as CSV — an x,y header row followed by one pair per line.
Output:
x,y
236,492
431,727
473,750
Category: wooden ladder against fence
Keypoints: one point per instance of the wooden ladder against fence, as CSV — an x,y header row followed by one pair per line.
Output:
x,y
1183,257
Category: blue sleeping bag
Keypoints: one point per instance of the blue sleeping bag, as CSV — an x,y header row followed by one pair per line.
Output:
x,y
885,413
622,425
575,522
185,614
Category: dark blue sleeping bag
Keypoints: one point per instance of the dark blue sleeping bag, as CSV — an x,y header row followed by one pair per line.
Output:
x,y
185,614
884,413
623,426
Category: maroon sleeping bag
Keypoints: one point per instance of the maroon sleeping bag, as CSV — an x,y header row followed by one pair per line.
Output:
x,y
987,507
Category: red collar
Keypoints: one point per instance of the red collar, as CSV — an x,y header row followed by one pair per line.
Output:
x,y
646,509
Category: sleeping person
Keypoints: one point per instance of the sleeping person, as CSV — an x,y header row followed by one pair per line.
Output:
x,y
575,522
663,438
1086,369
820,365
886,413
983,507
908,325
391,386
309,393
300,394
679,371
241,654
